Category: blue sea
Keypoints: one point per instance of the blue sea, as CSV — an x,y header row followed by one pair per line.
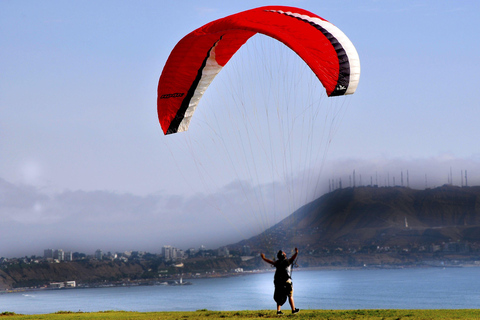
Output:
x,y
433,288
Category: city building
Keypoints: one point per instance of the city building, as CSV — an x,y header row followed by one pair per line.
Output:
x,y
48,254
59,255
99,254
68,256
170,253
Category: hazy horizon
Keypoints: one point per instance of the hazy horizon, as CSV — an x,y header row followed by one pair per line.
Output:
x,y
128,222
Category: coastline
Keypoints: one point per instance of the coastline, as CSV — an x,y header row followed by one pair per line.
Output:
x,y
174,280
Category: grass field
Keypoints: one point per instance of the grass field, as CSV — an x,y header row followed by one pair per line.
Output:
x,y
261,314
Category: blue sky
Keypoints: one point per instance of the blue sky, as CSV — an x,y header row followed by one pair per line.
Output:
x,y
80,143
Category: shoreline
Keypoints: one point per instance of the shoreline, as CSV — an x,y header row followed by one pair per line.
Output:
x,y
173,281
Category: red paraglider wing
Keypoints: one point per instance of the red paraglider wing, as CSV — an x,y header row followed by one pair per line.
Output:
x,y
200,55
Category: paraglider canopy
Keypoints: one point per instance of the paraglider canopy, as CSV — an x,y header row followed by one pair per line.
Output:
x,y
200,56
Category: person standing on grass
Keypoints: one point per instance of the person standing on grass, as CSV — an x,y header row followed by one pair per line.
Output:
x,y
283,280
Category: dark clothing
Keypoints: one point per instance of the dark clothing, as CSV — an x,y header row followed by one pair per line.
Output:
x,y
282,272
282,291
282,281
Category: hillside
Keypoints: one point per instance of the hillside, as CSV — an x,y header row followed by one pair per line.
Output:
x,y
92,272
354,218
27,275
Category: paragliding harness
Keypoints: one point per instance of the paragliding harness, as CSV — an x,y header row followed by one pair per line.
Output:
x,y
283,283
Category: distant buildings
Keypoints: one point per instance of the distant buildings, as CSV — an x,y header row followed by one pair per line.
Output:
x,y
64,284
170,253
57,254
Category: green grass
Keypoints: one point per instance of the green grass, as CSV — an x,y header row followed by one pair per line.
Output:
x,y
260,314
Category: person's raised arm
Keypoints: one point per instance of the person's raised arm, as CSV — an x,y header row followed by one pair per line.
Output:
x,y
265,259
292,259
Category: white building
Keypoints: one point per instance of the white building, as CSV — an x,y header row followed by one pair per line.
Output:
x,y
171,253
64,284
59,254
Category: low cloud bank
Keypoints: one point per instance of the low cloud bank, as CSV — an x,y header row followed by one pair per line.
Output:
x,y
32,220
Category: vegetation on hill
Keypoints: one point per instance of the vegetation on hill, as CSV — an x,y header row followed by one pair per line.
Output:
x,y
380,225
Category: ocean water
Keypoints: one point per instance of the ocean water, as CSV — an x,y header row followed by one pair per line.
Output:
x,y
433,288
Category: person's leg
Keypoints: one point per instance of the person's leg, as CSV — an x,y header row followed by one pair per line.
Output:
x,y
289,291
279,297
292,303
